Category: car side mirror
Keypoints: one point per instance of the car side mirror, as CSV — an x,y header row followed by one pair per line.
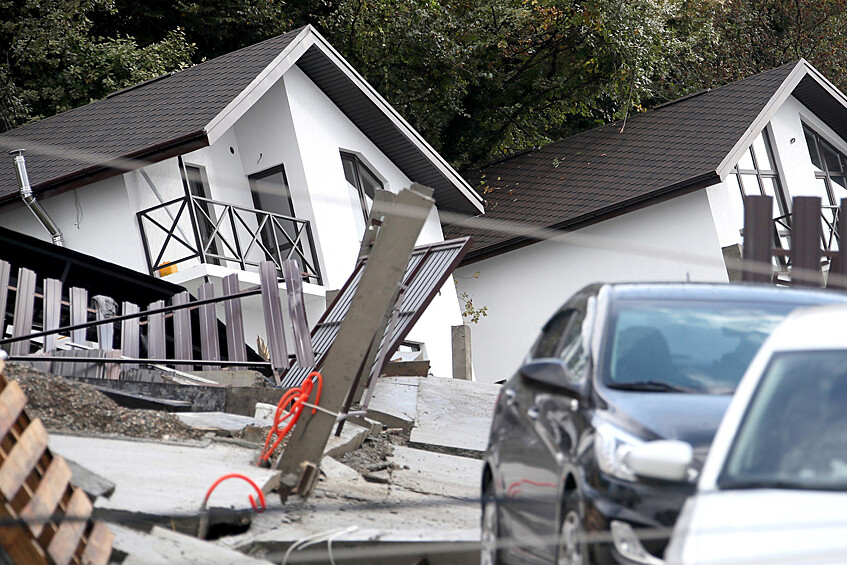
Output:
x,y
550,373
666,460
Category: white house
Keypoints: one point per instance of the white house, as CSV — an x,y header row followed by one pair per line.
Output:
x,y
655,198
269,152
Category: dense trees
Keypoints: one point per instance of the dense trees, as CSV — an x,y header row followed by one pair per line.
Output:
x,y
478,78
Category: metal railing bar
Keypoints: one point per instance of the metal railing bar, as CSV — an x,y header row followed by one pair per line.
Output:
x,y
128,360
242,294
249,210
163,205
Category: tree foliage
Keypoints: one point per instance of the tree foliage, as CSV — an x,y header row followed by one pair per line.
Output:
x,y
478,78
482,79
52,62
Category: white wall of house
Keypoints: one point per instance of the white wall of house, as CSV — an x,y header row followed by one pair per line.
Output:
x,y
97,219
524,287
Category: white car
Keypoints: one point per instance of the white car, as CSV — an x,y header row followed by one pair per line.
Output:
x,y
773,488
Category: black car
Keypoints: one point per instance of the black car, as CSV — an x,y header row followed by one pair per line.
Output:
x,y
617,365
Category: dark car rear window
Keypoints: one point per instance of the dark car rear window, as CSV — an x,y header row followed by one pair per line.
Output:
x,y
702,347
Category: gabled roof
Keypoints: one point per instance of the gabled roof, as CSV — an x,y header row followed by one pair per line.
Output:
x,y
183,111
680,146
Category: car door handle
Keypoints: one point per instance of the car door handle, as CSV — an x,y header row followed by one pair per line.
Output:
x,y
532,413
509,394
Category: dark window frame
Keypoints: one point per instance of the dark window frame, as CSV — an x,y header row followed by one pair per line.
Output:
x,y
761,173
358,165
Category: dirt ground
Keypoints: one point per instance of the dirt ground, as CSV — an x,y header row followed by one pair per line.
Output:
x,y
68,406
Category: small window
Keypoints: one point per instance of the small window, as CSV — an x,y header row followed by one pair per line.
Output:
x,y
362,185
204,212
831,181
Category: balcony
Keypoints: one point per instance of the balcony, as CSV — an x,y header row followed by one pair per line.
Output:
x,y
195,230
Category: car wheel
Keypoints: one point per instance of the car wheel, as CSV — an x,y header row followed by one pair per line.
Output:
x,y
572,549
489,553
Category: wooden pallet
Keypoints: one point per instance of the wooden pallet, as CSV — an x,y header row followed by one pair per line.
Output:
x,y
35,488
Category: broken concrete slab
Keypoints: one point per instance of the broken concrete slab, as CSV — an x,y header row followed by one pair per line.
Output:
x,y
163,546
411,518
333,469
91,483
395,401
219,421
454,416
352,437
155,478
202,398
436,473
234,378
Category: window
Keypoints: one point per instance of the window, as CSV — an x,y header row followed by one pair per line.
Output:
x,y
830,179
362,185
270,194
562,337
756,174
195,185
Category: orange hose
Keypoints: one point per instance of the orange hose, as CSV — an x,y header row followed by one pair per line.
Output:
x,y
295,397
239,476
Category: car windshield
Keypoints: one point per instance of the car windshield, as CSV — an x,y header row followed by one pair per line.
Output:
x,y
794,432
701,347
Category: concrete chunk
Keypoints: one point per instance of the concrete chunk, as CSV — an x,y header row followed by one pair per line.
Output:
x,y
162,546
395,401
352,437
166,478
454,416
218,421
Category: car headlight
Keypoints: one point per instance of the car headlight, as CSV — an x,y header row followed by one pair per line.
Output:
x,y
611,445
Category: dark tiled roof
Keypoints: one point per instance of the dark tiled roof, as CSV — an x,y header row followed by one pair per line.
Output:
x,y
136,120
593,173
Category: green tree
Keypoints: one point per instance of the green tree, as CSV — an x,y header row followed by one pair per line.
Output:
x,y
485,79
52,63
752,36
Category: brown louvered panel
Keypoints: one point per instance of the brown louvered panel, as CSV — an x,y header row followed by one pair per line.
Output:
x,y
12,402
22,459
47,496
35,487
99,546
64,544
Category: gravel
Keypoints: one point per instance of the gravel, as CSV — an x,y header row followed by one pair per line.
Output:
x,y
67,406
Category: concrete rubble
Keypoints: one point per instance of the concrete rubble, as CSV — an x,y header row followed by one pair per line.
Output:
x,y
403,487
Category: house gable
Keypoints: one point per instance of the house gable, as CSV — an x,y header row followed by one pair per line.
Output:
x,y
678,147
183,111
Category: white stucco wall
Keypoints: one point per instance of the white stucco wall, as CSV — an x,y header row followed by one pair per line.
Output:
x,y
97,219
524,287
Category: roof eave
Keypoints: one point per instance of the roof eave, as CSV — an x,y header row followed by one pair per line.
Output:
x,y
119,165
544,233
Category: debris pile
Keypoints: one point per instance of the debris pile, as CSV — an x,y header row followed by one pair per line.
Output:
x,y
67,406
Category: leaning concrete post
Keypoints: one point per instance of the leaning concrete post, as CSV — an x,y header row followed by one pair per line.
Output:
x,y
462,360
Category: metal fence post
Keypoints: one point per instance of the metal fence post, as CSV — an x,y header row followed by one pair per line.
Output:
x,y
758,239
806,242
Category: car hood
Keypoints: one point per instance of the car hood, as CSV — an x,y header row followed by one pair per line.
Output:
x,y
760,526
692,418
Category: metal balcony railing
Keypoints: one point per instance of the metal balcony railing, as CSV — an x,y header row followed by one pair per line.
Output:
x,y
224,234
830,238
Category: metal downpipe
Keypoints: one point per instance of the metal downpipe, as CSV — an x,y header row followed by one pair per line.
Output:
x,y
29,199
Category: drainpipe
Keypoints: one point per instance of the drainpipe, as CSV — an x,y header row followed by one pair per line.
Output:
x,y
29,199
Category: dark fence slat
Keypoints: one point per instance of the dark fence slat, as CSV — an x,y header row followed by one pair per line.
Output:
x,y
79,313
156,332
130,333
209,342
105,308
235,347
806,242
273,318
52,311
5,275
297,311
182,331
758,239
24,303
839,264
